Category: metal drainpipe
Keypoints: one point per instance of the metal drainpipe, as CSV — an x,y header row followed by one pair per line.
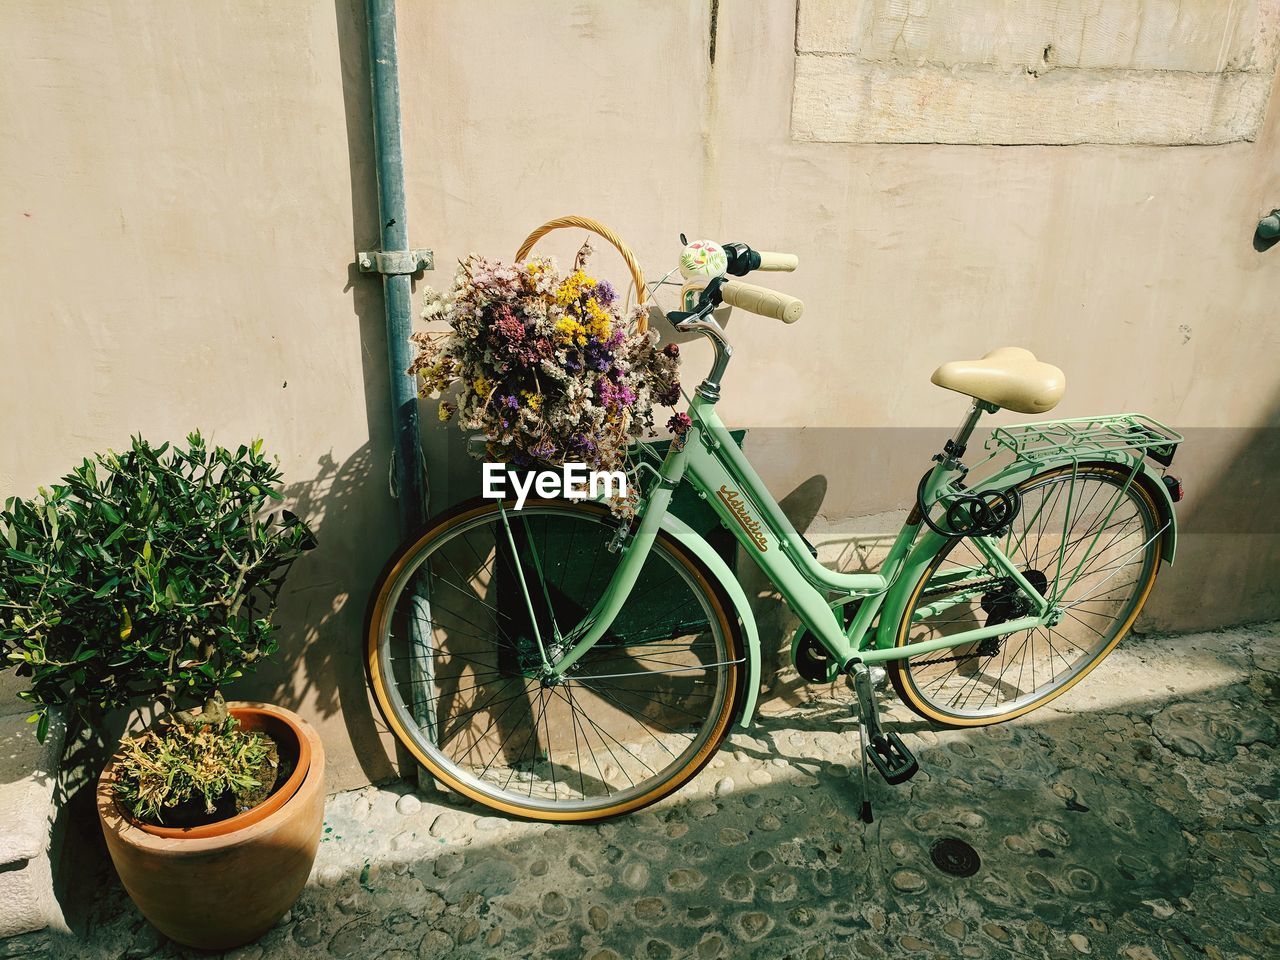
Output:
x,y
396,262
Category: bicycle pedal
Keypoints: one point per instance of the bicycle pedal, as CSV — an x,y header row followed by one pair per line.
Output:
x,y
891,757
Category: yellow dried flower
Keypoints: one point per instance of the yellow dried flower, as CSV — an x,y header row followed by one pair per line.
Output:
x,y
569,330
599,323
573,287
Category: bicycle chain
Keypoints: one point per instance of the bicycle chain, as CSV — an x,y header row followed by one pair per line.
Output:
x,y
937,660
951,588
939,591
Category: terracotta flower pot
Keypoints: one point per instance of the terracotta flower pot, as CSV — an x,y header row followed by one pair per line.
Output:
x,y
221,885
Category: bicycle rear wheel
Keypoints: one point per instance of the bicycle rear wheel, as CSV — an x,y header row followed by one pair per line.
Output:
x,y
455,662
1086,537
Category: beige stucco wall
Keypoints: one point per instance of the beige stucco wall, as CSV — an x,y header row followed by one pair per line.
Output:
x,y
184,189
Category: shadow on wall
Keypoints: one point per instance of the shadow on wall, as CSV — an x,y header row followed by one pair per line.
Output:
x,y
1229,544
1228,549
319,667
320,663
321,658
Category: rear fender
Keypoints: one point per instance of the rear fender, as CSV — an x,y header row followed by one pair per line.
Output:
x,y
1147,476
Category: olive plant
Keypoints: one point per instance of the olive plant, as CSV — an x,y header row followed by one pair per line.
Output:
x,y
144,576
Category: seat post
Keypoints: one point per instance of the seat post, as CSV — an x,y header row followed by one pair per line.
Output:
x,y
953,449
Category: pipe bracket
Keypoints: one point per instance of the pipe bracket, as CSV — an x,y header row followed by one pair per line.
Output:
x,y
395,262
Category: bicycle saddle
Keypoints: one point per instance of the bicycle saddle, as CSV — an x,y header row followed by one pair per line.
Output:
x,y
1009,377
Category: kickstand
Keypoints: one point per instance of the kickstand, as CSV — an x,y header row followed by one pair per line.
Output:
x,y
865,814
884,749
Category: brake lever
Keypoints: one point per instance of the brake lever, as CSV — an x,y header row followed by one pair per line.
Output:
x,y
702,321
707,302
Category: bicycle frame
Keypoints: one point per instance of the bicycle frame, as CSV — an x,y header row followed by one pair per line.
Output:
x,y
713,463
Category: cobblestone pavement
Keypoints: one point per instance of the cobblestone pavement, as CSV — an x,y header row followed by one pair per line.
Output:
x,y
1132,819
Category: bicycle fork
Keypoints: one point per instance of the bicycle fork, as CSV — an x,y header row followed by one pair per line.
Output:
x,y
884,749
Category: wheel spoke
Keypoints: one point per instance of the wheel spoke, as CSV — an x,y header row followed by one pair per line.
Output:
x,y
666,672
1093,533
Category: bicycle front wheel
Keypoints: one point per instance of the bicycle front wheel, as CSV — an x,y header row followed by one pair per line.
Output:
x,y
1090,540
458,629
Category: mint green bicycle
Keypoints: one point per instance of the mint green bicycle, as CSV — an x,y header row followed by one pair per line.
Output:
x,y
560,664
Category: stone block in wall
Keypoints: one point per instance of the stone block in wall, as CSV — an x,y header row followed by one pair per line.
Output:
x,y
1152,72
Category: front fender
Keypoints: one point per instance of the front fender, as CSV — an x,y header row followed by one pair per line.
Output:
x,y
678,530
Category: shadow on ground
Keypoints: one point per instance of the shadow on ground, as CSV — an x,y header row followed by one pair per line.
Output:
x,y
1131,826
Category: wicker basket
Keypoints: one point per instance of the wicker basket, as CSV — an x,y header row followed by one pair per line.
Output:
x,y
598,228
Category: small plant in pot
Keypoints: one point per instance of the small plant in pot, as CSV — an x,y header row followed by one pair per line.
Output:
x,y
149,578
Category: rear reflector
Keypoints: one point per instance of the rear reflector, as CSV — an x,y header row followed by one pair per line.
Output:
x,y
1174,486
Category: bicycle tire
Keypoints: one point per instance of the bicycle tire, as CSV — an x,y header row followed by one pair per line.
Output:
x,y
391,702
911,687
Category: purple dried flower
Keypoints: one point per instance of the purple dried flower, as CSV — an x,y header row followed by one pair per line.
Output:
x,y
605,293
596,355
508,351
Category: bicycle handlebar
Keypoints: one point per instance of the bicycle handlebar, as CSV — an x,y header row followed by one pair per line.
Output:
x,y
778,261
706,258
767,303
740,260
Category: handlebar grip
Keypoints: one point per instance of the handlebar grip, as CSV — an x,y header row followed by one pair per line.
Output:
x,y
778,261
767,303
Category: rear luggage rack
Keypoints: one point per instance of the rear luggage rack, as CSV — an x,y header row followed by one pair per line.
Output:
x,y
1086,437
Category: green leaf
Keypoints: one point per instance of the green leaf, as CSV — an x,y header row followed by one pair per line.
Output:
x,y
102,615
106,588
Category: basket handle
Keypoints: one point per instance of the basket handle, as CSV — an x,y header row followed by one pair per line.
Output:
x,y
598,228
